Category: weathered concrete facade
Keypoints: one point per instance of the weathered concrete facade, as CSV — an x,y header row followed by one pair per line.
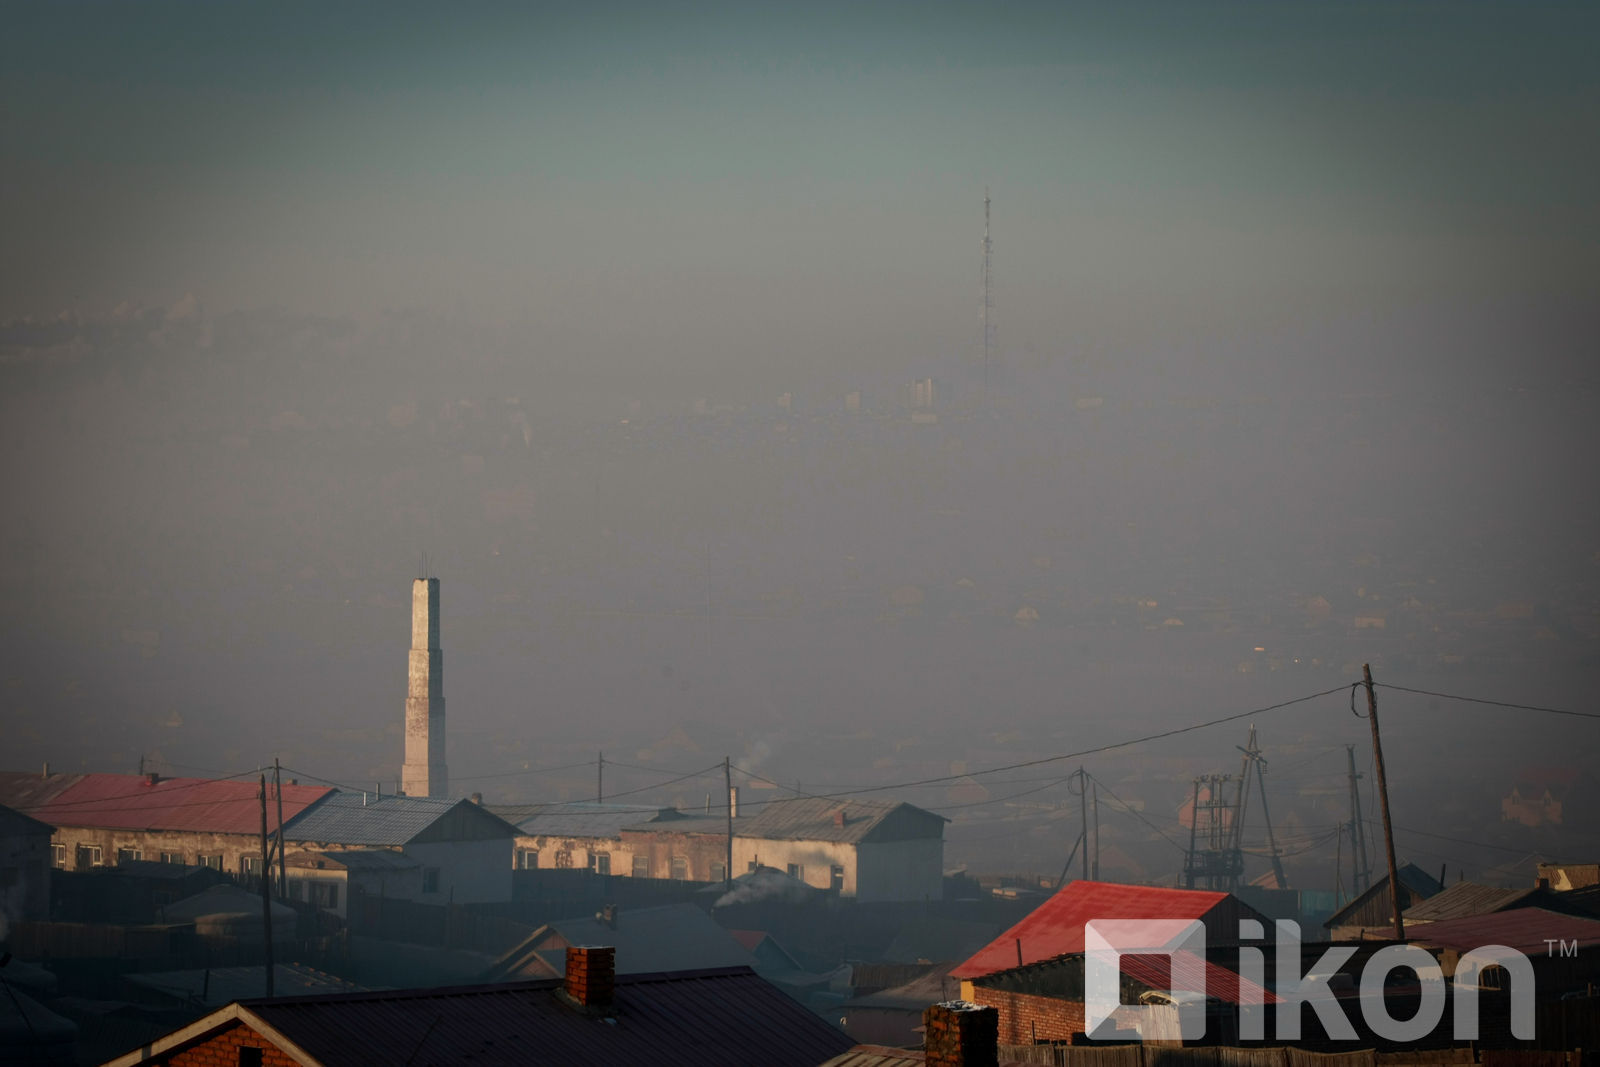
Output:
x,y
83,847
424,772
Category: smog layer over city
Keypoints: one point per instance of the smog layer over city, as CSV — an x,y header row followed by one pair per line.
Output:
x,y
955,406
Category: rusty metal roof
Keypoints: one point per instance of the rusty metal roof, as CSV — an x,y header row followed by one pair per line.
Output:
x,y
1470,898
577,819
24,791
1055,928
150,802
688,1018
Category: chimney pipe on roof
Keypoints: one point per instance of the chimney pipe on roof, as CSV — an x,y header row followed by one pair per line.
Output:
x,y
838,817
477,798
47,768
152,778
958,1033
591,974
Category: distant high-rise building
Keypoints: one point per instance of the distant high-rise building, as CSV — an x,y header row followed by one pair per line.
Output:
x,y
424,772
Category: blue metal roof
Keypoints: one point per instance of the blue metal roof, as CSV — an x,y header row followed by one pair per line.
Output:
x,y
359,819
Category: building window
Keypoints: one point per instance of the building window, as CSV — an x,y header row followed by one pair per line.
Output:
x,y
250,866
430,879
325,894
602,862
680,868
213,861
563,859
129,855
527,859
89,856
719,872
797,871
836,878
58,856
172,857
641,866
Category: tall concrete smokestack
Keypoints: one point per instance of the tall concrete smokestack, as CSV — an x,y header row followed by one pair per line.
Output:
x,y
424,774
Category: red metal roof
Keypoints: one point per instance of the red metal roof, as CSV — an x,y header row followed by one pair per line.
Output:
x,y
1528,930
134,802
1181,973
1055,928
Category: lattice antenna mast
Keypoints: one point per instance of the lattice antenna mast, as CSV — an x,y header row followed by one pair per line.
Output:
x,y
986,311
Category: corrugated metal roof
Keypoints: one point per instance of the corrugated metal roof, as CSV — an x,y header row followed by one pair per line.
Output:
x,y
1183,972
579,819
355,859
1413,878
205,805
877,1056
359,819
847,821
24,791
679,822
670,937
217,986
1528,930
1465,898
1055,928
887,1056
699,1018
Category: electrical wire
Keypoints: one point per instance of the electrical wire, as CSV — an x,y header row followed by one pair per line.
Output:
x,y
1490,703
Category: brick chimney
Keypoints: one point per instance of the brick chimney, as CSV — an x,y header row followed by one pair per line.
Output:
x,y
958,1033
838,817
591,974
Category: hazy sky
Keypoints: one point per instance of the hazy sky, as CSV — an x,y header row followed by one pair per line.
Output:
x,y
749,185
1299,302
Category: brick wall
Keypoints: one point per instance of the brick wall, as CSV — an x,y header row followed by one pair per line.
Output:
x,y
1024,1018
222,1050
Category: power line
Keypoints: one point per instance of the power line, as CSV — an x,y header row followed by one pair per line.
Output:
x,y
1087,751
1491,703
530,770
663,785
1125,806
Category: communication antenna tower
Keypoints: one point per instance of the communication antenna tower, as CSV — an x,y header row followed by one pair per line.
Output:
x,y
986,311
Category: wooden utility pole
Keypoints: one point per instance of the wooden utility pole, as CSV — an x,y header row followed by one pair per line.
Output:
x,y
283,869
266,886
1095,869
1383,802
727,781
600,777
1083,831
